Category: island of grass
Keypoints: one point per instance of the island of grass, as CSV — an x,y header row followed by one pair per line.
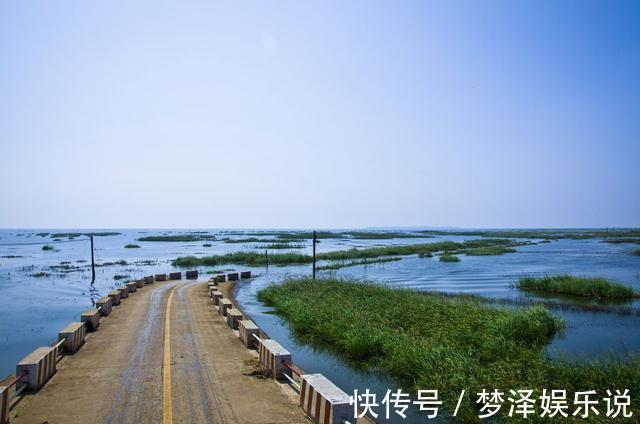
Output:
x,y
452,343
447,257
489,251
131,246
280,245
599,288
257,259
47,247
96,234
338,265
178,238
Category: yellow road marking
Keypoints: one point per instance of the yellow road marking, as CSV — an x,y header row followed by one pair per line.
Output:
x,y
167,412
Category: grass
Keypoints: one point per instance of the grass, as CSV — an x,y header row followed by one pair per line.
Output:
x,y
178,238
243,258
258,259
120,277
252,240
338,265
40,274
206,245
47,247
489,251
577,286
636,252
446,343
74,235
280,245
131,246
449,258
546,234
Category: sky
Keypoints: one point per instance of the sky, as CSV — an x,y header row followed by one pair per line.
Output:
x,y
327,114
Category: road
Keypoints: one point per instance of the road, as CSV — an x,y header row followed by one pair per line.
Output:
x,y
164,355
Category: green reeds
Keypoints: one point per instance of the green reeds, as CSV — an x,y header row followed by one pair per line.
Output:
x,y
178,238
338,265
577,286
446,257
243,258
131,246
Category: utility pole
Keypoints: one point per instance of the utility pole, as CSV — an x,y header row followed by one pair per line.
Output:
x,y
314,256
93,264
266,257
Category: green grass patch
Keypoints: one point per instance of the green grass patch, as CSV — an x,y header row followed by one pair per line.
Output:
x,y
425,340
46,247
243,258
285,245
131,246
40,274
206,245
178,238
449,258
252,240
338,265
120,277
489,251
577,286
74,235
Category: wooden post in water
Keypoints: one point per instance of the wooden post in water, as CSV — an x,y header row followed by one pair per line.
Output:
x,y
93,264
314,255
266,257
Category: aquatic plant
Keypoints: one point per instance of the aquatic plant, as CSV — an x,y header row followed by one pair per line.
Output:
x,y
131,246
120,277
280,245
96,234
338,265
577,286
243,258
489,251
47,247
206,245
447,257
445,343
178,238
40,274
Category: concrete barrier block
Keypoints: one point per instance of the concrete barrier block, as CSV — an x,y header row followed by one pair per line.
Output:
x,y
223,306
323,401
192,275
245,274
140,283
247,329
40,366
133,286
232,276
272,354
124,292
161,277
114,295
92,318
104,304
4,404
220,278
175,276
216,296
148,279
212,290
233,317
73,336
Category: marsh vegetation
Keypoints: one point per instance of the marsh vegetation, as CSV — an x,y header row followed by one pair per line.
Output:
x,y
178,238
566,284
450,343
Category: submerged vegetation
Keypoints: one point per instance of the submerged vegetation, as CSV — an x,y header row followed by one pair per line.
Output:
x,y
577,286
131,246
178,238
445,343
338,265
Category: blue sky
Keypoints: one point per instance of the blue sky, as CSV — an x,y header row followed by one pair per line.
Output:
x,y
320,114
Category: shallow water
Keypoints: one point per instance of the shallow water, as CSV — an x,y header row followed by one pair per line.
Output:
x,y
32,310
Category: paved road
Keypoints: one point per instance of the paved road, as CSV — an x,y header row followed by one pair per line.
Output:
x,y
119,377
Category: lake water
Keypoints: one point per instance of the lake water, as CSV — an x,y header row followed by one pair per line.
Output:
x,y
33,309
